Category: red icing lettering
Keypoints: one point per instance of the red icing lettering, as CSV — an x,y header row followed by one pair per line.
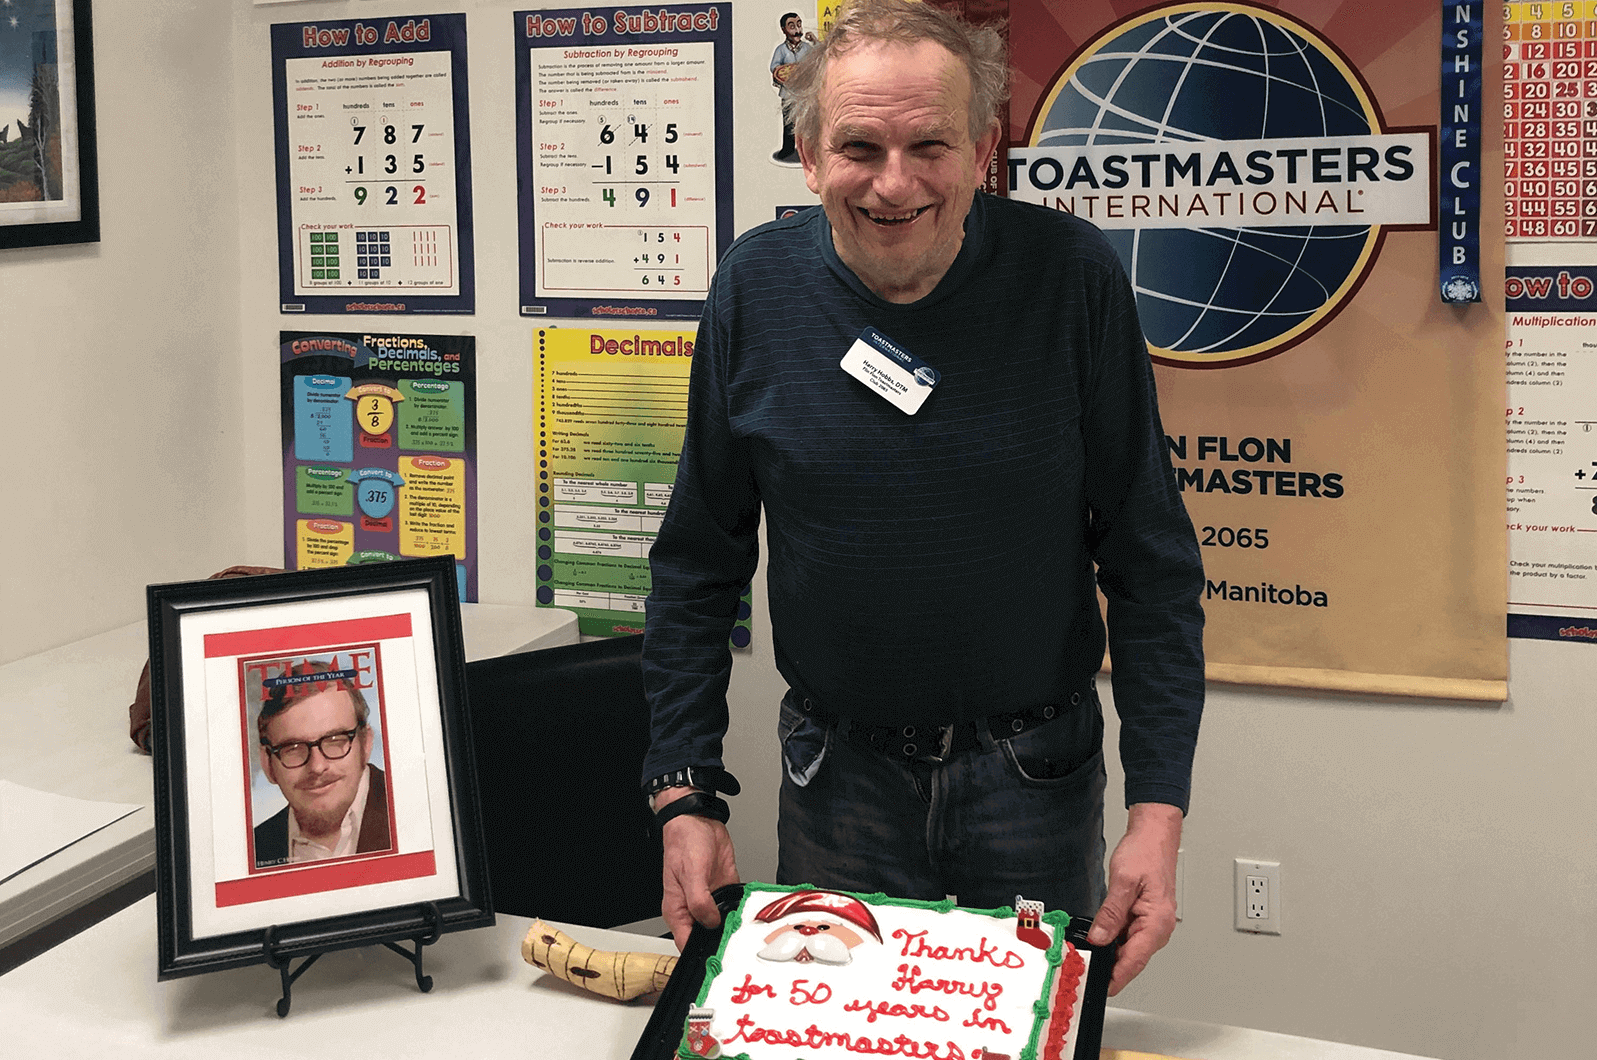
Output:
x,y
893,1008
915,946
799,994
750,989
812,1037
908,980
992,1023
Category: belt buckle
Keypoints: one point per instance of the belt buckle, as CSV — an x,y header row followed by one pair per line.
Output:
x,y
944,743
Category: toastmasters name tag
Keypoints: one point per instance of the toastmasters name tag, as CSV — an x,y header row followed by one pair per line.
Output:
x,y
890,370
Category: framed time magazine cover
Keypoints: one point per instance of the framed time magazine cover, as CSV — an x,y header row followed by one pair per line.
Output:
x,y
314,787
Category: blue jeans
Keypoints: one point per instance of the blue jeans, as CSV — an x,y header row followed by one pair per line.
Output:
x,y
1022,815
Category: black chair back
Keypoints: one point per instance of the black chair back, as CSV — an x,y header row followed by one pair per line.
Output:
x,y
560,735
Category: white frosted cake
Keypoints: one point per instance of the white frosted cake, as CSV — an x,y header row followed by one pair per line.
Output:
x,y
805,974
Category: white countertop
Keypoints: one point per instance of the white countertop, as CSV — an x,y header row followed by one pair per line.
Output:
x,y
96,995
65,715
1143,1033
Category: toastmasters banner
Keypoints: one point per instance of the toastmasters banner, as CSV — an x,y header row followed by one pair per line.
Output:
x,y
1270,181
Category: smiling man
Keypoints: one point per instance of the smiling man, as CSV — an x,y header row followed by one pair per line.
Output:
x,y
316,745
896,160
942,406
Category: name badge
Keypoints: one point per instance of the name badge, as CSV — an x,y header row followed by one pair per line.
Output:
x,y
892,371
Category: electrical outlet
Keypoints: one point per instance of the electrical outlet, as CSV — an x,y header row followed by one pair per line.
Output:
x,y
1258,890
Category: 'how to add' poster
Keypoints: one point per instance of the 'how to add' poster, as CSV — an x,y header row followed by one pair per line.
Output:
x,y
373,166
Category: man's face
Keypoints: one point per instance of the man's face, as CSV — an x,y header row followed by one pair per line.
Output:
x,y
322,790
894,164
794,28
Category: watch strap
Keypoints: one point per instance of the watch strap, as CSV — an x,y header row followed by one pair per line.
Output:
x,y
697,803
706,778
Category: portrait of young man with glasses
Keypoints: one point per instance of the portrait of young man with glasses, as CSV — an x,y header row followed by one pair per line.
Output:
x,y
316,746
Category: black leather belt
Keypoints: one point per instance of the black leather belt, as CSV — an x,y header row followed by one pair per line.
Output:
x,y
935,742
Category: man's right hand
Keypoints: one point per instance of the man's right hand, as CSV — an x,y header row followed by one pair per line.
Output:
x,y
698,859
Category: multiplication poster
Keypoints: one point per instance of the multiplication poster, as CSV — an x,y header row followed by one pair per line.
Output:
x,y
379,449
1551,419
612,409
624,158
373,166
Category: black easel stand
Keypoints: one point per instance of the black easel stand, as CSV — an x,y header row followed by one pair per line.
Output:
x,y
275,959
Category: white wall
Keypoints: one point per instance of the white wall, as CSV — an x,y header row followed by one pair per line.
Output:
x,y
1439,874
1439,869
504,339
121,358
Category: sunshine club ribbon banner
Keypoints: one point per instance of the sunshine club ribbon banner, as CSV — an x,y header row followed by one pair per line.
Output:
x,y
1460,171
1272,188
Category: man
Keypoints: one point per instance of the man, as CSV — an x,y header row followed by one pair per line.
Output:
x,y
930,575
796,44
316,746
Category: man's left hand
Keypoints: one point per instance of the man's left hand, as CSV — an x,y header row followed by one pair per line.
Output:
x,y
1140,908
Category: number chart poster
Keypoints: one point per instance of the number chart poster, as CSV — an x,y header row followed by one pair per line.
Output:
x,y
1550,121
612,409
624,158
379,450
1270,185
373,166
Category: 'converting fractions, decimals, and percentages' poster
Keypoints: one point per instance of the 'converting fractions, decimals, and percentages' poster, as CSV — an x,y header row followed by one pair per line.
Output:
x,y
379,450
373,166
624,158
612,409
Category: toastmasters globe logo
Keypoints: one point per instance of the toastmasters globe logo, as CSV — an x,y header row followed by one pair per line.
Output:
x,y
1239,166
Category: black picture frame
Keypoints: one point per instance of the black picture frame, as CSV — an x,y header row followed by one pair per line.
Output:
x,y
211,640
663,1033
76,217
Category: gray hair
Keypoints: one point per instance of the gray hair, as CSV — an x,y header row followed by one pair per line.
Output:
x,y
980,48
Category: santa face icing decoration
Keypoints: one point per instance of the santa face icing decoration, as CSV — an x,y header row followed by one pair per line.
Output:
x,y
820,926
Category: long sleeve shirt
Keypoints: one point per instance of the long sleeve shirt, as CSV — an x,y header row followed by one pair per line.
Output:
x,y
942,565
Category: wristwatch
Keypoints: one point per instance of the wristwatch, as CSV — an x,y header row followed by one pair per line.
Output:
x,y
708,779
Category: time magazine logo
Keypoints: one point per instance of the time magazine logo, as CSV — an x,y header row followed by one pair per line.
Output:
x,y
1239,166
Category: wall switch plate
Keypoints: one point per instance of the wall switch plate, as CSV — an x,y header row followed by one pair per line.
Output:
x,y
1258,901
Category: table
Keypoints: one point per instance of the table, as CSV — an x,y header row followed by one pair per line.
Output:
x,y
95,995
65,715
1144,1033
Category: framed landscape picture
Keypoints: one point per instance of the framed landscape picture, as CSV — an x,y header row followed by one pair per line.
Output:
x,y
48,182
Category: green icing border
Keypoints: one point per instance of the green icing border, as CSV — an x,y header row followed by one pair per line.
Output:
x,y
1058,919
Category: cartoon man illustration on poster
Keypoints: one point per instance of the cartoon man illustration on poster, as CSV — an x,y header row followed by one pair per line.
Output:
x,y
796,44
